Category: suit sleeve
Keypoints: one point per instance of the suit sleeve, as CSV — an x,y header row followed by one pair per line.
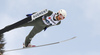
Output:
x,y
49,13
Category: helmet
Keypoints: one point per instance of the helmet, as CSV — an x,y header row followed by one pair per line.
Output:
x,y
62,12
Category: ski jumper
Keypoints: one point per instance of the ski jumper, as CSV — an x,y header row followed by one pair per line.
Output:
x,y
39,24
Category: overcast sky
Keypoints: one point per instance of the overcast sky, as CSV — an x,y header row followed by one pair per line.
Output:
x,y
83,21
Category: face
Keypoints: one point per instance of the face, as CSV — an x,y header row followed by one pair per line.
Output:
x,y
60,17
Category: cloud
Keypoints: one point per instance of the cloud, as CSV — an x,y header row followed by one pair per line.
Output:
x,y
93,53
5,20
91,9
91,15
13,53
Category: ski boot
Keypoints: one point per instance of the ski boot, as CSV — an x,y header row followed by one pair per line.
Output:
x,y
29,45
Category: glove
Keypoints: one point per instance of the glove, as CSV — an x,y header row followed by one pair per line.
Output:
x,y
28,15
45,28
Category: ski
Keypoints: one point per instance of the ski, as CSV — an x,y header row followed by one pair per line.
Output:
x,y
41,45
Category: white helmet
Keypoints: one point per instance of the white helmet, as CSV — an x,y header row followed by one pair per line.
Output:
x,y
63,12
